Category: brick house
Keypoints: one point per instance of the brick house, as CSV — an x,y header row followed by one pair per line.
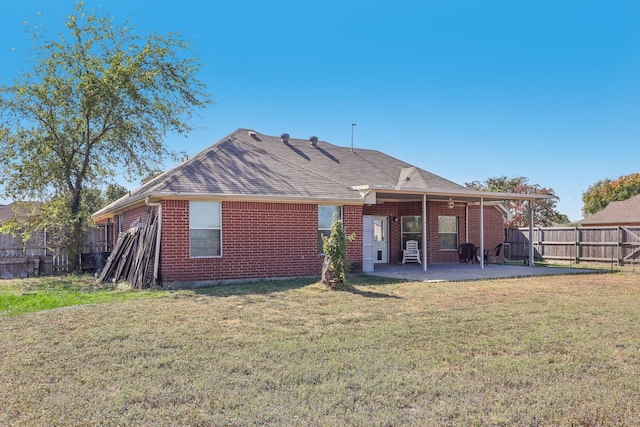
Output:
x,y
254,206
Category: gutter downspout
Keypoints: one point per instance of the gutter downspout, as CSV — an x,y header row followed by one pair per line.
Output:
x,y
156,261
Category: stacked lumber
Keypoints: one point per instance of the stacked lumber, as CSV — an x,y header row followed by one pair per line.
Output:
x,y
133,255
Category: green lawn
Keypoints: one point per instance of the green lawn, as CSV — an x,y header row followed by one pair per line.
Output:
x,y
550,351
38,294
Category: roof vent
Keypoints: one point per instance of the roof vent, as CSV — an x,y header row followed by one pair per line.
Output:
x,y
314,140
252,134
285,137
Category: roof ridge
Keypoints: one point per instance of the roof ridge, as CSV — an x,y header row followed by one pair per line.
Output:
x,y
375,166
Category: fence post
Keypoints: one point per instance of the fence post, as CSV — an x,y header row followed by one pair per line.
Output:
x,y
577,245
619,246
541,242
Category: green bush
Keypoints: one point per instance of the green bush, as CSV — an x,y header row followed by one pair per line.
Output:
x,y
335,248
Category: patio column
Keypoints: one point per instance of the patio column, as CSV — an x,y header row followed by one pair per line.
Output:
x,y
466,223
424,232
530,211
481,232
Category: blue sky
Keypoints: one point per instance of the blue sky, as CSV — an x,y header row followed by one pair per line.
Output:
x,y
468,90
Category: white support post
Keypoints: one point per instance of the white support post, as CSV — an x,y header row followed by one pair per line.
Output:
x,y
424,232
531,249
466,223
481,232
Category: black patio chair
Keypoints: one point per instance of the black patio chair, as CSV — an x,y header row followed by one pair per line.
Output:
x,y
493,253
466,253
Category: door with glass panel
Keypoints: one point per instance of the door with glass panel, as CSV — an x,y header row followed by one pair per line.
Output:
x,y
380,240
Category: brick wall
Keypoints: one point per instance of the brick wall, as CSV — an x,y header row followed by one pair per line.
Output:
x,y
259,240
263,240
493,226
130,217
352,220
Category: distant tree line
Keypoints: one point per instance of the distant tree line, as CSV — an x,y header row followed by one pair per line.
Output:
x,y
595,199
605,191
545,212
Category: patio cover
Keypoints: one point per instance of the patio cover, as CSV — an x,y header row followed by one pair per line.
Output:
x,y
373,194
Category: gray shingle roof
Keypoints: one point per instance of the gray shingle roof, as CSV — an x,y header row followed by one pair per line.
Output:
x,y
18,209
623,212
247,163
250,163
6,213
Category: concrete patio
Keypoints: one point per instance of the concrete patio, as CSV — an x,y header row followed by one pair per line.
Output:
x,y
462,272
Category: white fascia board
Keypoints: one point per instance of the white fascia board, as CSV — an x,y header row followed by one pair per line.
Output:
x,y
487,195
122,205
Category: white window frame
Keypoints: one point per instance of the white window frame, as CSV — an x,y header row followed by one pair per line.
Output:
x,y
457,233
404,233
200,221
326,230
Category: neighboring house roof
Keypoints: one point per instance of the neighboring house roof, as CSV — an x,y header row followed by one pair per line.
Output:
x,y
249,165
622,212
6,213
17,209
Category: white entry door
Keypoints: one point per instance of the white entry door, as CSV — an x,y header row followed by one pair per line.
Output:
x,y
380,239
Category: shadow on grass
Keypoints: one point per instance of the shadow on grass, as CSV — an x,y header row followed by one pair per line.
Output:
x,y
373,280
262,287
256,287
369,294
606,267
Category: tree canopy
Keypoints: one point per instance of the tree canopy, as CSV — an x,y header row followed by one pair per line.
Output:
x,y
545,213
95,102
605,191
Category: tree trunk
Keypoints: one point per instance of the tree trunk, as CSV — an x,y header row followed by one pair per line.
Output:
x,y
76,239
328,278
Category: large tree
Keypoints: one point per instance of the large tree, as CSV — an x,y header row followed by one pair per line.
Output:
x,y
545,213
605,191
95,102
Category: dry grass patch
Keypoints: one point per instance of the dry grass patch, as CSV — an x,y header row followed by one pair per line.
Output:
x,y
558,350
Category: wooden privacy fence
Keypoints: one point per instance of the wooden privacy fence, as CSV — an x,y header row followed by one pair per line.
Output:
x,y
30,259
611,244
36,257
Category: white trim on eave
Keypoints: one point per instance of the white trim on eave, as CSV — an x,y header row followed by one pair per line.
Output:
x,y
506,213
121,205
486,195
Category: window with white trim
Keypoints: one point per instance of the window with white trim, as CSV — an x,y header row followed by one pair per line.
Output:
x,y
325,218
448,232
411,229
205,230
